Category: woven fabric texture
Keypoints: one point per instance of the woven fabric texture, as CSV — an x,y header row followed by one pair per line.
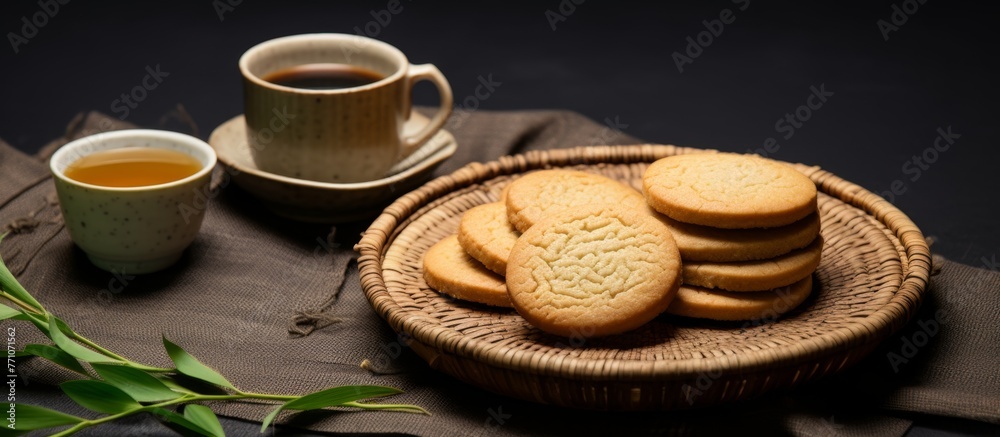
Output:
x,y
277,306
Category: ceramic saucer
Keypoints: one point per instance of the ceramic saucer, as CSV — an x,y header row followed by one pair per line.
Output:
x,y
325,202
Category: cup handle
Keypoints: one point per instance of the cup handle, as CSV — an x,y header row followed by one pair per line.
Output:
x,y
428,72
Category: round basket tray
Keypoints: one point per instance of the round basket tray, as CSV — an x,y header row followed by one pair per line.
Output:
x,y
873,274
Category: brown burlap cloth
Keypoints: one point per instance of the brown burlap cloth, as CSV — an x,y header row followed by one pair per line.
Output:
x,y
277,307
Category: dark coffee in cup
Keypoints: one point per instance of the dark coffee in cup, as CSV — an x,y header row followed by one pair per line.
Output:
x,y
324,76
340,116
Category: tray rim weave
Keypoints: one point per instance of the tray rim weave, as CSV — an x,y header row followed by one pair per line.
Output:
x,y
873,328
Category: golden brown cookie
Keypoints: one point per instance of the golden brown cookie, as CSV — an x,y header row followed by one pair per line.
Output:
x,y
704,243
756,275
532,197
706,303
593,271
449,270
487,236
728,190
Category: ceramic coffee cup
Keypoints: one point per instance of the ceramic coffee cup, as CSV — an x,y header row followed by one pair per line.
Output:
x,y
342,135
133,230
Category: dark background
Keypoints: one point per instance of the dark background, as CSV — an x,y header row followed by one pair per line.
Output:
x,y
608,60
612,61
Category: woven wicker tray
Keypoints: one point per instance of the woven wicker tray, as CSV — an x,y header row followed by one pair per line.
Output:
x,y
873,274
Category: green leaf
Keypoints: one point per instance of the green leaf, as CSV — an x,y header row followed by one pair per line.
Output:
x,y
7,312
56,332
99,396
177,419
140,385
330,398
173,384
205,418
54,355
10,285
40,321
190,366
31,417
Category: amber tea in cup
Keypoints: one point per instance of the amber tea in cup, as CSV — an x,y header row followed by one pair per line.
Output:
x,y
132,167
133,199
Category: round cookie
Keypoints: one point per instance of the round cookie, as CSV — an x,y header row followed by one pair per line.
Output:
x,y
487,236
449,270
704,243
756,275
706,303
728,190
593,271
535,195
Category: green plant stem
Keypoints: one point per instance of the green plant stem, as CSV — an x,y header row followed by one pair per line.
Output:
x,y
44,320
73,334
269,397
98,348
188,398
112,417
38,318
24,306
236,397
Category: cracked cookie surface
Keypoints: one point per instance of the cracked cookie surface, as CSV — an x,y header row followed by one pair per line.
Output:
x,y
593,271
532,197
449,270
487,236
728,190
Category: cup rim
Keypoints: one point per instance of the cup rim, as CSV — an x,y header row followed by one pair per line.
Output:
x,y
139,134
338,37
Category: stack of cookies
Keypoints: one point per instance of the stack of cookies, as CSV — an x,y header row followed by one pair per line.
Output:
x,y
747,229
579,254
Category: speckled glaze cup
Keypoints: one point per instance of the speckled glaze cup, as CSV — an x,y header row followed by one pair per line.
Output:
x,y
133,230
337,135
